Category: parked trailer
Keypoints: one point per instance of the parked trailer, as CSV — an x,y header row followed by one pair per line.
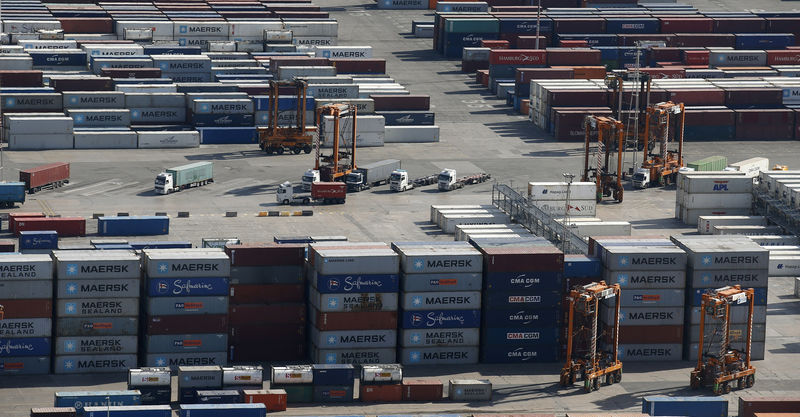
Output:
x,y
399,181
184,176
45,176
11,192
449,181
371,175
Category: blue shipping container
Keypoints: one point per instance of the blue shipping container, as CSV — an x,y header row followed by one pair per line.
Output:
x,y
12,192
528,281
333,393
685,406
441,319
80,399
759,295
228,135
513,25
217,397
521,299
172,50
608,53
129,411
578,266
181,287
62,59
335,374
38,239
341,284
284,103
133,226
227,410
161,245
520,353
25,346
633,25
521,336
222,120
408,118
540,317
454,43
764,40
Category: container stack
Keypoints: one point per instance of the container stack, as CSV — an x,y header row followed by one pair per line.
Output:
x,y
651,274
381,383
552,197
353,302
333,383
26,297
579,270
296,381
154,384
97,311
267,303
714,193
716,262
441,302
197,378
521,299
186,307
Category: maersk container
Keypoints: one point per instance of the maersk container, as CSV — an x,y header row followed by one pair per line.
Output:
x,y
222,106
186,343
438,355
644,258
441,319
353,339
158,115
94,345
685,406
228,410
24,346
27,365
738,314
182,287
432,259
13,328
26,290
649,352
352,356
94,99
97,307
663,279
402,4
128,411
209,376
100,117
362,302
81,399
114,288
94,265
456,300
327,374
187,306
194,263
32,101
439,337
644,316
333,91
133,225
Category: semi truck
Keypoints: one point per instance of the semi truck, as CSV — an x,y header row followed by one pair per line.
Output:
x,y
48,176
322,192
399,181
448,180
309,177
370,175
184,176
11,193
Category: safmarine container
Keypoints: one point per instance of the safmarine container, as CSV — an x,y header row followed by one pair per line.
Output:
x,y
441,319
129,411
687,406
329,284
25,346
81,399
38,239
183,287
215,410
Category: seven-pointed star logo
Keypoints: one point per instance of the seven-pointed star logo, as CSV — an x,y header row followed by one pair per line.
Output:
x,y
623,260
419,264
161,362
163,268
70,308
330,358
706,260
416,338
706,278
621,316
622,279
416,300
413,357
69,364
72,288
72,269
331,340
333,302
69,346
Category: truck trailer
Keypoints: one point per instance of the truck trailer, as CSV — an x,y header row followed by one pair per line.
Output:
x,y
184,176
45,177
370,175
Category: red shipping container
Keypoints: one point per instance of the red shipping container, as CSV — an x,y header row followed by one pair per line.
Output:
x,y
631,39
522,258
402,102
529,42
495,44
579,25
705,39
43,175
517,57
209,323
524,107
570,124
686,25
359,66
572,56
783,57
87,24
284,313
65,226
266,333
698,97
665,72
649,334
21,78
7,245
722,116
767,124
665,54
26,309
266,254
82,84
425,390
273,399
470,67
748,406
525,75
573,44
389,393
597,72
131,72
267,293
267,352
743,98
13,217
695,57
739,25
482,77
377,320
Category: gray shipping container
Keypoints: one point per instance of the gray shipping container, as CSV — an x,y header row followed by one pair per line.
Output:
x,y
719,279
722,252
737,332
438,355
160,115
192,264
12,328
27,365
100,117
182,63
96,264
32,101
117,288
363,261
96,345
175,360
354,339
439,337
737,58
468,390
441,282
200,376
223,106
26,267
99,64
97,307
445,260
451,300
84,364
644,316
183,343
644,258
650,352
94,99
26,290
738,314
149,100
355,302
178,306
124,139
191,97
327,91
646,279
353,356
756,350
25,125
652,298
97,326
267,275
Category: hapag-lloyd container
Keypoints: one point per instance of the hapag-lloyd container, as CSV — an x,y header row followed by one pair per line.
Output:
x,y
458,300
355,339
96,265
174,360
361,302
645,316
97,326
441,319
439,337
330,284
93,345
195,264
646,279
644,258
442,282
168,306
184,343
438,355
93,363
517,57
117,288
97,307
558,190
39,327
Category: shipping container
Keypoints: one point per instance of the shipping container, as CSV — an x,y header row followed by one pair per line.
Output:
x,y
21,309
128,411
97,326
214,410
182,343
333,393
211,323
93,345
81,399
117,288
35,179
758,406
273,399
64,226
14,328
428,390
30,365
99,307
689,406
646,279
26,290
348,320
438,355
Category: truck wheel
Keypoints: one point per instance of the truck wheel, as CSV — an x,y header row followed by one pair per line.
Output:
x,y
306,200
307,149
285,202
280,150
268,151
296,150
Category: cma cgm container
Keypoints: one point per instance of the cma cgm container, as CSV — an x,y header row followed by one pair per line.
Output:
x,y
54,175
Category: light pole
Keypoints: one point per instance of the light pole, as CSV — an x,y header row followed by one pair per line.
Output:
x,y
568,178
538,21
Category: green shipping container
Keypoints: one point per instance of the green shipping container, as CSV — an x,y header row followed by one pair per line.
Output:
x,y
297,393
191,173
472,26
712,163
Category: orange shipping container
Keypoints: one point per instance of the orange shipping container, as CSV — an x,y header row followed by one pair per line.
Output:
x,y
273,399
525,107
381,393
588,72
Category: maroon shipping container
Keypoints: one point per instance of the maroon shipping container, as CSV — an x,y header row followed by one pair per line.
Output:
x,y
703,116
246,14
82,84
745,98
267,314
701,97
572,56
686,25
131,72
649,334
739,25
529,42
383,393
254,89
518,57
669,53
87,24
266,254
695,57
269,293
768,124
783,57
21,78
359,66
12,218
268,352
570,124
65,226
470,67
7,245
495,44
208,323
425,390
401,102
581,25
582,98
276,62
522,259
267,333
302,15
378,320
525,75
44,175
102,42
748,406
705,39
26,309
784,25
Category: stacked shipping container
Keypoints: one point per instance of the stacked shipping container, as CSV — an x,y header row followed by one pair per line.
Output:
x,y
716,193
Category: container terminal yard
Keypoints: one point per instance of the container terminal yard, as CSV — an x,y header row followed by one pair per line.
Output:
x,y
254,320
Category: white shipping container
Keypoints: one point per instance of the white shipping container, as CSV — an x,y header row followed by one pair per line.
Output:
x,y
314,41
412,134
784,266
16,63
222,46
30,26
691,216
784,189
713,201
194,29
146,88
705,224
683,174
277,36
105,140
36,142
436,208
450,222
747,230
577,208
791,95
20,125
600,228
49,44
717,185
370,131
313,28
112,50
780,240
94,99
289,72
162,29
175,139
440,215
252,29
344,52
751,167
540,191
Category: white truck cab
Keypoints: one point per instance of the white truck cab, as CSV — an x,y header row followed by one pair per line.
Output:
x,y
286,195
641,178
398,181
311,176
447,178
164,183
